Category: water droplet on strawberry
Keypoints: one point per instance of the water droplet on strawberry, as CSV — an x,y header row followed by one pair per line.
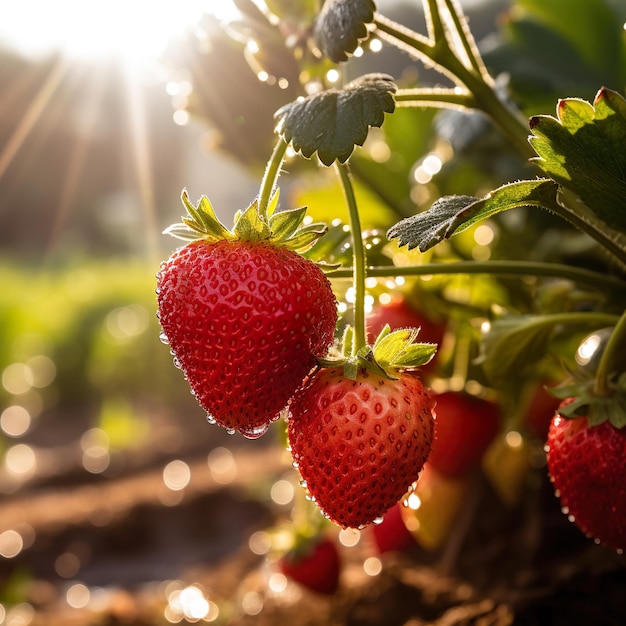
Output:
x,y
303,484
164,339
378,520
295,465
210,419
177,364
256,432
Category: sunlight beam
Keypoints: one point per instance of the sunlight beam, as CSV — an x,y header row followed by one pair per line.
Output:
x,y
92,94
139,137
32,114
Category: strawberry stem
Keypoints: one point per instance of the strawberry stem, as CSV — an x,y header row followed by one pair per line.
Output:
x,y
359,260
505,268
270,176
478,88
613,349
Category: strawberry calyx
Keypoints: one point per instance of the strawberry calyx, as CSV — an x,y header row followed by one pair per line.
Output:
x,y
584,401
283,228
391,354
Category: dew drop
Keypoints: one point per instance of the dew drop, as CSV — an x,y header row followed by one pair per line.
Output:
x,y
164,339
177,364
378,520
210,419
303,484
230,431
256,432
295,465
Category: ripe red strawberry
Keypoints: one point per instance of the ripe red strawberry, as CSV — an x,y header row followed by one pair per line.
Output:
x,y
359,444
245,321
587,465
316,565
464,427
392,535
245,314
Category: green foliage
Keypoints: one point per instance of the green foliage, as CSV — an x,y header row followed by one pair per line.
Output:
x,y
96,323
333,121
584,149
341,26
451,215
547,56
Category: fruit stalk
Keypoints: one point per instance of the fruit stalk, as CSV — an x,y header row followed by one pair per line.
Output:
x,y
607,362
359,261
507,268
272,170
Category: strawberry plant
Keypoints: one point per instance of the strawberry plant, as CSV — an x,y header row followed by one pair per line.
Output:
x,y
548,266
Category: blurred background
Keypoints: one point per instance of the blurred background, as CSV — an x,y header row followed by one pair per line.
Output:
x,y
119,504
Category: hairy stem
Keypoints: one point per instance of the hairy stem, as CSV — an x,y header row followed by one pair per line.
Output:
x,y
501,268
359,260
612,351
270,176
477,81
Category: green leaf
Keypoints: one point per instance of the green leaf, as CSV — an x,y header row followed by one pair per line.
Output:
x,y
515,344
332,122
451,215
341,26
584,149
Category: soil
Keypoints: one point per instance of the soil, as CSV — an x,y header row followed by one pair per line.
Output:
x,y
130,541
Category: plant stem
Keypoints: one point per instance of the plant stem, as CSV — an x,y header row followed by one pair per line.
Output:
x,y
270,176
507,268
359,260
612,351
478,83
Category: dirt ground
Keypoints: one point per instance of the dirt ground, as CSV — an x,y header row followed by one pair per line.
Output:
x,y
114,549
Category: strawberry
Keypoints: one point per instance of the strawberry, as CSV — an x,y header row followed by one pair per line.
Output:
x,y
587,465
244,316
314,564
359,444
392,535
464,427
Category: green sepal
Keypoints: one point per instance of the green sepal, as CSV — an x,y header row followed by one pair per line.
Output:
x,y
281,228
250,227
391,354
399,349
597,409
285,223
201,222
306,237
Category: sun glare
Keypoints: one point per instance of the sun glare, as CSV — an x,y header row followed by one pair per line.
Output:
x,y
133,31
